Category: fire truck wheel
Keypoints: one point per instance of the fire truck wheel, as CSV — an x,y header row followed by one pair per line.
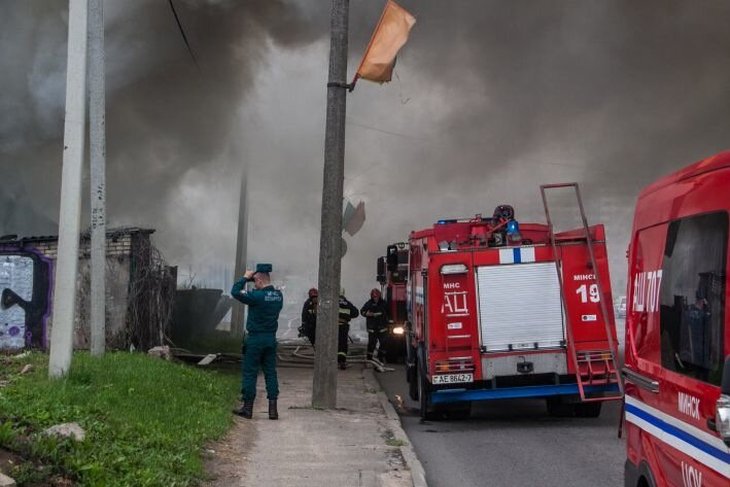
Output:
x,y
412,379
459,410
424,398
558,408
588,409
424,391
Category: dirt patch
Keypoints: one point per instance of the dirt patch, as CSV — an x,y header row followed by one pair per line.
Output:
x,y
10,461
225,460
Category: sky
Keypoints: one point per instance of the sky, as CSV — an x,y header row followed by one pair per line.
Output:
x,y
490,99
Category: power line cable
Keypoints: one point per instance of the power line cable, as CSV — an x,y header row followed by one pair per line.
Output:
x,y
182,32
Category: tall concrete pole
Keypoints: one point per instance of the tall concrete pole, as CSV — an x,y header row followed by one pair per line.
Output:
x,y
67,262
324,386
97,145
237,311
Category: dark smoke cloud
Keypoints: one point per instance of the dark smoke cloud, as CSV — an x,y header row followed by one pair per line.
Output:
x,y
609,94
164,116
491,99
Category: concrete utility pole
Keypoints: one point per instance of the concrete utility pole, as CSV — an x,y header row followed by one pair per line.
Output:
x,y
324,387
97,141
67,262
237,311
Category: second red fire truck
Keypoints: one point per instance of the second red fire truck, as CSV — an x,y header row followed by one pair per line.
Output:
x,y
500,309
392,276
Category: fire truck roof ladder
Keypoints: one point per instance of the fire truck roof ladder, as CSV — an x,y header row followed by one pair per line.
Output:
x,y
596,367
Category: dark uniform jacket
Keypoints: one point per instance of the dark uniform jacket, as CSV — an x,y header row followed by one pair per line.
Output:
x,y
379,320
264,306
309,314
347,311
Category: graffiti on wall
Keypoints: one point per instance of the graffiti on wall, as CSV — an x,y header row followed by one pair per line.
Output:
x,y
24,298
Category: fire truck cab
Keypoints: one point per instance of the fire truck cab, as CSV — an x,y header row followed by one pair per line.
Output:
x,y
500,309
392,276
677,367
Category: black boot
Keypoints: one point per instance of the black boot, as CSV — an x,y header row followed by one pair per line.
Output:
x,y
246,410
273,413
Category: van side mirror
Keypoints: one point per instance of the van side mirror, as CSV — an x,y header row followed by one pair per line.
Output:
x,y
722,408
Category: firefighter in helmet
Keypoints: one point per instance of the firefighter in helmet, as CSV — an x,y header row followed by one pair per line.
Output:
x,y
375,312
309,316
347,311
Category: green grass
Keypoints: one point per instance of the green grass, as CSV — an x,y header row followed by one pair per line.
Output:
x,y
146,419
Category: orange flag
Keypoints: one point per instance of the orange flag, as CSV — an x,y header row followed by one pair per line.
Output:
x,y
389,36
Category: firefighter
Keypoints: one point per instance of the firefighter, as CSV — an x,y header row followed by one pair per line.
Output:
x,y
309,316
347,311
376,319
264,304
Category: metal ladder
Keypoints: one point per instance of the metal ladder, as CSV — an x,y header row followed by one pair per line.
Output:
x,y
592,367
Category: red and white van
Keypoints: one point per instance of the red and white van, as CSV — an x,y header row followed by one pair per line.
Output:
x,y
677,366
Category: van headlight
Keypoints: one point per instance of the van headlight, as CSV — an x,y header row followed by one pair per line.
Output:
x,y
398,330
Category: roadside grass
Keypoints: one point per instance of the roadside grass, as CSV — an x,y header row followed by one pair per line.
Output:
x,y
146,419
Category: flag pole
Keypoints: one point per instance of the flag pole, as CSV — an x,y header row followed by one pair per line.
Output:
x,y
324,382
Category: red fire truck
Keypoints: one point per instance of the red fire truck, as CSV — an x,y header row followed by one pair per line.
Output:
x,y
500,309
677,370
392,276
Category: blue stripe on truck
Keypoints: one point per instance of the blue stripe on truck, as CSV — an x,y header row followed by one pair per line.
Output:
x,y
457,395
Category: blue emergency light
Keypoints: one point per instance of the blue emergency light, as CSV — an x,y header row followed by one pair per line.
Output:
x,y
513,227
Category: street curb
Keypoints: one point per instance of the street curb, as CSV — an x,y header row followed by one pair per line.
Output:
x,y
418,474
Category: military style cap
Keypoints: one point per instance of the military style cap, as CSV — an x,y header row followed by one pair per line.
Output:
x,y
264,268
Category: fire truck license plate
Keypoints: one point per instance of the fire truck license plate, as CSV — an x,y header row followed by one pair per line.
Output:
x,y
453,378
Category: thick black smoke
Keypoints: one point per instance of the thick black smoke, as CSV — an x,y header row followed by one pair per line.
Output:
x,y
164,116
491,99
503,96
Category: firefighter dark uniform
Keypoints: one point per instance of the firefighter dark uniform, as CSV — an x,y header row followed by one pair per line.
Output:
x,y
309,316
347,311
375,312
264,304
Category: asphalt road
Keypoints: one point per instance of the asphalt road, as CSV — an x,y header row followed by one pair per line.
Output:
x,y
512,442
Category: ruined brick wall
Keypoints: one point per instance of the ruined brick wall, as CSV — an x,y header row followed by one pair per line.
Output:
x,y
140,289
118,259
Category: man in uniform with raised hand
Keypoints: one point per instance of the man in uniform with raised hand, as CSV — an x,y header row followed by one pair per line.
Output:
x,y
264,304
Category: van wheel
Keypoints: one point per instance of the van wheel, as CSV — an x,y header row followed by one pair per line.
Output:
x,y
588,409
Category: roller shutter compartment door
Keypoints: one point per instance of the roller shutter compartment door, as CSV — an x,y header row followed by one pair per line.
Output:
x,y
520,305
